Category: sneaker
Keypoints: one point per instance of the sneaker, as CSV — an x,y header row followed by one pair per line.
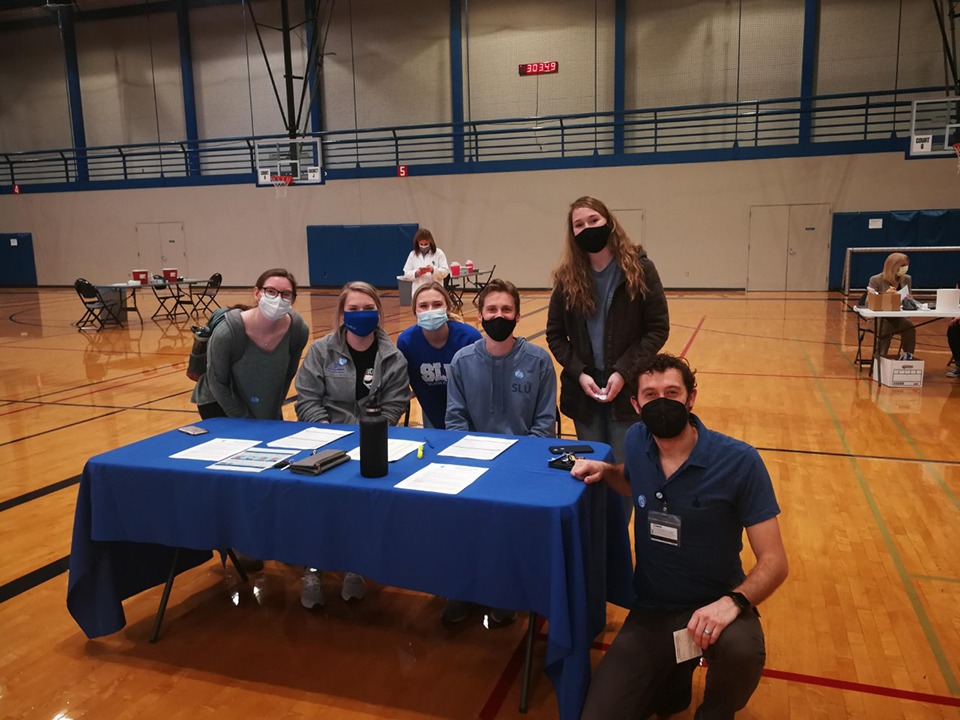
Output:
x,y
311,593
354,587
455,611
503,617
955,373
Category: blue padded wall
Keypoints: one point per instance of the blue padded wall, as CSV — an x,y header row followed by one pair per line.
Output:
x,y
906,228
338,254
16,261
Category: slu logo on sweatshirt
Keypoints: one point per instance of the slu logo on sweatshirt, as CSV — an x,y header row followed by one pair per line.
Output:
x,y
523,388
434,373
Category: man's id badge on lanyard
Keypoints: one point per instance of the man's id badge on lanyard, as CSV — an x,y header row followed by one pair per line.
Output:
x,y
664,528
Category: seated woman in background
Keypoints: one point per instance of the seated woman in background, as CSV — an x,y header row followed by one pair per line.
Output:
x,y
425,262
253,354
894,277
429,347
342,374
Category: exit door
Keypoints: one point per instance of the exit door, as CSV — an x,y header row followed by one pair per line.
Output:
x,y
161,245
789,247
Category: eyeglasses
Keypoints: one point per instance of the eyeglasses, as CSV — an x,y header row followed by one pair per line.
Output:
x,y
270,292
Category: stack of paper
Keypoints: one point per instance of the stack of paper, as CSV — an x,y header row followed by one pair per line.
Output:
x,y
440,478
310,439
214,450
475,447
396,449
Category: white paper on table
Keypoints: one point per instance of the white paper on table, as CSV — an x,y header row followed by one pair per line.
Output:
x,y
252,460
396,449
475,447
684,646
215,450
442,478
309,439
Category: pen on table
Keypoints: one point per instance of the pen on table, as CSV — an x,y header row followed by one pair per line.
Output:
x,y
428,442
420,452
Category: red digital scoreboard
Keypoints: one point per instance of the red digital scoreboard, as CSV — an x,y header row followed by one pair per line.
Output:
x,y
543,68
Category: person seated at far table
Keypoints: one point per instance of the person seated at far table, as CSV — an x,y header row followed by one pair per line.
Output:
x,y
894,277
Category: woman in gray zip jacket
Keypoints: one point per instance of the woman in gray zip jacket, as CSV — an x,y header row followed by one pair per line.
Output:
x,y
344,372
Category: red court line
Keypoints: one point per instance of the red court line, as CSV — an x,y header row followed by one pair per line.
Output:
x,y
692,337
839,684
513,668
92,392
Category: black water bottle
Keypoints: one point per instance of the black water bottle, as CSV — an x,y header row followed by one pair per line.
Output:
x,y
373,443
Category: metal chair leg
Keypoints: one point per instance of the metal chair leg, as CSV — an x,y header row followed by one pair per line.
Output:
x,y
236,563
155,635
528,662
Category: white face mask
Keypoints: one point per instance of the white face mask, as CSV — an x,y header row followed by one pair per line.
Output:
x,y
903,271
424,249
274,308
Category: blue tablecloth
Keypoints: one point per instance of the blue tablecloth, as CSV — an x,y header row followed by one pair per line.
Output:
x,y
523,536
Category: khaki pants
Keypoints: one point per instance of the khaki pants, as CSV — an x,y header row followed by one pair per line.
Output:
x,y
639,675
908,335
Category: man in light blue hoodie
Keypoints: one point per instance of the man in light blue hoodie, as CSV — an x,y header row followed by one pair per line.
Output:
x,y
500,383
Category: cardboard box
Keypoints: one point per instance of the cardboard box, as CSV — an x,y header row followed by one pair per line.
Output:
x,y
899,373
883,302
170,274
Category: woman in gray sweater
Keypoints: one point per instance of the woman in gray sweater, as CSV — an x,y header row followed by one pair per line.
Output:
x,y
350,368
253,354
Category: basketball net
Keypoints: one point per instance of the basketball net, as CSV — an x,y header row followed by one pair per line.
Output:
x,y
956,149
280,184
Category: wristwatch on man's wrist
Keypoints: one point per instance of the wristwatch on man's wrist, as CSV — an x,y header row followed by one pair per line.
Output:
x,y
740,599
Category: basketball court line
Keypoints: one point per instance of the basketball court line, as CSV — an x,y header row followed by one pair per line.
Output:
x,y
87,405
693,337
39,493
932,640
910,441
96,417
37,577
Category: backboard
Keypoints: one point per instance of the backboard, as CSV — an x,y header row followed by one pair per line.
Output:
x,y
297,157
934,127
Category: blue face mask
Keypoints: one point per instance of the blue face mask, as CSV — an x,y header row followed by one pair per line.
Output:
x,y
361,322
432,319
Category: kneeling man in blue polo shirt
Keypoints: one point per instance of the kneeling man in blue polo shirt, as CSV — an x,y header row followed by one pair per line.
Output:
x,y
694,492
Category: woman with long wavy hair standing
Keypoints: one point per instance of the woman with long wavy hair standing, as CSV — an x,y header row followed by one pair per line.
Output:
x,y
607,314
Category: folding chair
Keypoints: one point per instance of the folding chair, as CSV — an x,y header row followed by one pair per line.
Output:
x,y
208,295
97,310
481,284
167,293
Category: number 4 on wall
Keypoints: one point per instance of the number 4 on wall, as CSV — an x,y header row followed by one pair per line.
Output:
x,y
401,170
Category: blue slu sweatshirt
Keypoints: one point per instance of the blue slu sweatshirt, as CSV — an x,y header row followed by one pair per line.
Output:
x,y
515,394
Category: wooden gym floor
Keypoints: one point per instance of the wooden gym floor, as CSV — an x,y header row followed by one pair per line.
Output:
x,y
866,626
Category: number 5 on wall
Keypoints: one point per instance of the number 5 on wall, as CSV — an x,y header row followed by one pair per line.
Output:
x,y
401,170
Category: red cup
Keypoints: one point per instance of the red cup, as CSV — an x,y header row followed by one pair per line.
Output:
x,y
455,269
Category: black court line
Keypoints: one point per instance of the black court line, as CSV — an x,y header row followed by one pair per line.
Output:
x,y
139,406
87,405
32,579
859,457
38,493
98,382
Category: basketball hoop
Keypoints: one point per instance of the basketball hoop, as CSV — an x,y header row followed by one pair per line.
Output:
x,y
280,184
956,149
